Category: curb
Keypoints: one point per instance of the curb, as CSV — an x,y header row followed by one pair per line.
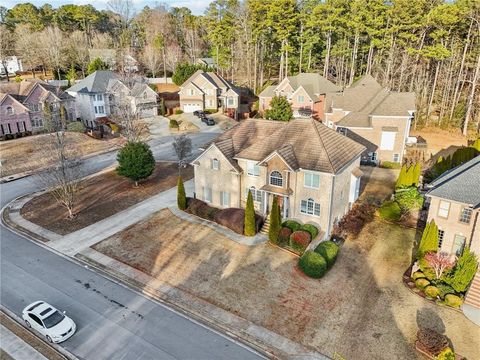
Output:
x,y
67,354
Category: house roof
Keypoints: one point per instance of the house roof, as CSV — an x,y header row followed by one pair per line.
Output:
x,y
269,91
6,96
366,98
313,84
302,143
213,78
461,184
21,90
94,83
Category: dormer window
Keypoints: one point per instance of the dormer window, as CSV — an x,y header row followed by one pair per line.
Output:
x,y
9,110
300,99
215,164
276,178
191,92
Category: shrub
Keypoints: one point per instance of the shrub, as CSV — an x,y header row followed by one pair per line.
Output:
x,y
299,240
292,225
418,275
181,197
354,220
422,283
432,291
202,209
76,126
445,289
234,218
135,161
429,240
329,251
426,269
390,165
390,211
173,124
409,199
464,271
313,264
432,341
178,111
249,229
284,236
310,229
446,354
275,221
280,109
210,111
453,300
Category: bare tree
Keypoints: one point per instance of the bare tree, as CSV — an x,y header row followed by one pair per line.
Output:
x,y
53,44
77,48
151,59
183,148
6,47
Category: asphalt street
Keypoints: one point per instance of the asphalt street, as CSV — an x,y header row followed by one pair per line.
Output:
x,y
113,322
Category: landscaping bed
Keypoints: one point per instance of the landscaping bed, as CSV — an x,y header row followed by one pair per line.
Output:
x,y
359,309
100,197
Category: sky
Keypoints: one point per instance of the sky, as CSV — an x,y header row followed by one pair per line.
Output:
x,y
196,6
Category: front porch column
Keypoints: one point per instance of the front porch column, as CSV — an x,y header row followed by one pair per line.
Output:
x,y
285,207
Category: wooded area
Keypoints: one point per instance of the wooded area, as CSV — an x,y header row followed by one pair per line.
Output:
x,y
431,47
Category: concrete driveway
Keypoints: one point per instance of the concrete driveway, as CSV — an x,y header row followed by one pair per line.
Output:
x,y
200,124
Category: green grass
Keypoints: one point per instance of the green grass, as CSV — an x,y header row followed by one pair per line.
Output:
x,y
390,211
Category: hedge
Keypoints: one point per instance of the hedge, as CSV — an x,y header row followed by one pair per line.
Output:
x,y
422,283
390,165
418,275
299,240
329,251
310,229
313,264
201,209
284,236
432,291
453,300
292,225
234,219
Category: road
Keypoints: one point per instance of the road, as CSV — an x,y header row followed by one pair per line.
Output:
x,y
113,322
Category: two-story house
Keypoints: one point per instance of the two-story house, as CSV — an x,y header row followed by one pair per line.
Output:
x,y
313,170
14,117
208,90
100,92
374,116
306,93
35,96
455,206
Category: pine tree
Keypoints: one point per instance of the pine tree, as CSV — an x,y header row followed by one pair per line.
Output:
x,y
409,176
401,177
476,145
275,222
135,161
181,197
464,271
280,109
429,241
249,226
417,171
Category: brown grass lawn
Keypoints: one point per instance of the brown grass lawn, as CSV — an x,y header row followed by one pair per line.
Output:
x,y
440,141
360,309
377,183
19,155
100,197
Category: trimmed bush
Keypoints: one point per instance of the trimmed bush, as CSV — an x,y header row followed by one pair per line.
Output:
x,y
76,126
429,241
390,211
234,218
275,221
284,236
329,251
418,275
299,240
444,289
178,111
202,209
426,269
390,165
173,124
249,229
181,197
310,229
453,300
431,341
313,264
422,283
446,354
292,225
432,291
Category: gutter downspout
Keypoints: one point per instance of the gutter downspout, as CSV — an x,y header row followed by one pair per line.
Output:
x,y
473,229
331,207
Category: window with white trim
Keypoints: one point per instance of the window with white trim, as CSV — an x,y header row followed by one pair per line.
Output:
x,y
20,126
253,169
225,198
191,92
342,130
215,164
35,107
207,194
310,207
441,235
101,109
443,209
276,178
465,215
96,110
99,97
256,194
372,156
458,244
396,158
9,110
300,98
230,101
311,180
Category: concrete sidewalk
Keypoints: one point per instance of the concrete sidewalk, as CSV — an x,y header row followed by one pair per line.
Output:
x,y
16,348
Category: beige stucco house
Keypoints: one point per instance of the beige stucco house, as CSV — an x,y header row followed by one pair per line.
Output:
x,y
374,116
455,206
313,170
208,90
306,93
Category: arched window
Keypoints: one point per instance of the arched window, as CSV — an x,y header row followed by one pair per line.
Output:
x,y
215,164
310,207
9,110
276,178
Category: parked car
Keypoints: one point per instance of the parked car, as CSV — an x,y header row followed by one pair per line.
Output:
x,y
200,113
48,321
208,121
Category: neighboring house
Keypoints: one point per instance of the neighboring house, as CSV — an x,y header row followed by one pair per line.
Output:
x,y
312,169
455,206
168,93
14,117
99,94
208,62
34,95
10,64
372,115
208,90
306,93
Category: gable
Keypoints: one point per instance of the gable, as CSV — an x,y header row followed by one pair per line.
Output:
x,y
203,83
9,100
38,94
213,152
284,86
276,162
302,92
191,86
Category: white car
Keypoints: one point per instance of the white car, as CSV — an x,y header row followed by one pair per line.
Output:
x,y
48,321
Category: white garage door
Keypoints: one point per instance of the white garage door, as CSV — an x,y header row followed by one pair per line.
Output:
x,y
188,108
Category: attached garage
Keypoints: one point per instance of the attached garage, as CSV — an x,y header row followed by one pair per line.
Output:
x,y
189,108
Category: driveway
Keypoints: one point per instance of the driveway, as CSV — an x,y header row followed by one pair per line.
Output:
x,y
201,125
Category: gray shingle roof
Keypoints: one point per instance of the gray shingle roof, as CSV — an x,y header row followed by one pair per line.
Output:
x,y
268,91
461,184
303,143
313,83
94,83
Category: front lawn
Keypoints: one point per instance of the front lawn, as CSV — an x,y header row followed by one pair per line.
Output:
x,y
100,197
359,309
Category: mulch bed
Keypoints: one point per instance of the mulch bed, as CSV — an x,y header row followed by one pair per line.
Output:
x,y
100,197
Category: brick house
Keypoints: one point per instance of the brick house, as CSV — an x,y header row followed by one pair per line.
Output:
x,y
312,169
208,90
454,204
306,93
14,117
370,114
